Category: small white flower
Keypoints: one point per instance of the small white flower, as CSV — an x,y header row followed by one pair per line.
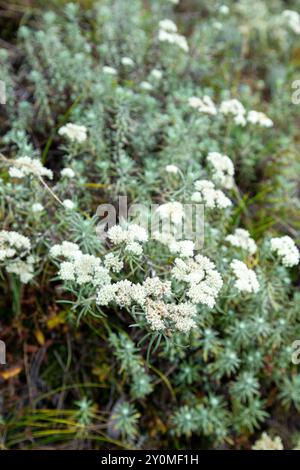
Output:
x,y
286,249
109,70
255,117
37,207
67,173
246,280
146,86
68,204
293,20
74,132
168,25
184,248
171,210
266,443
168,33
112,262
172,169
156,74
127,61
235,108
134,248
211,197
224,169
241,238
25,166
204,105
67,271
224,10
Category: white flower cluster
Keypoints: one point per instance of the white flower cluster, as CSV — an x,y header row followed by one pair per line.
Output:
x,y
246,280
241,238
204,281
210,196
168,33
150,296
203,105
224,169
132,235
162,316
25,166
74,132
127,61
236,109
109,70
255,117
79,267
68,204
67,173
156,74
13,244
22,268
14,253
37,207
293,20
172,211
184,248
172,169
113,263
265,442
286,249
230,107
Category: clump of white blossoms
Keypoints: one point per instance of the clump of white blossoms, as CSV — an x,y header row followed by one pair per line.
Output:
x,y
286,249
146,86
168,33
236,109
210,196
265,442
184,248
293,20
231,107
74,132
12,244
26,166
172,169
67,173
156,74
241,238
256,117
113,263
68,204
15,256
132,236
246,280
153,297
127,61
203,105
204,281
37,207
109,70
173,211
223,169
79,267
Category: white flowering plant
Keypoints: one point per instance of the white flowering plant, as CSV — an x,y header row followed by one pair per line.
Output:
x,y
122,336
